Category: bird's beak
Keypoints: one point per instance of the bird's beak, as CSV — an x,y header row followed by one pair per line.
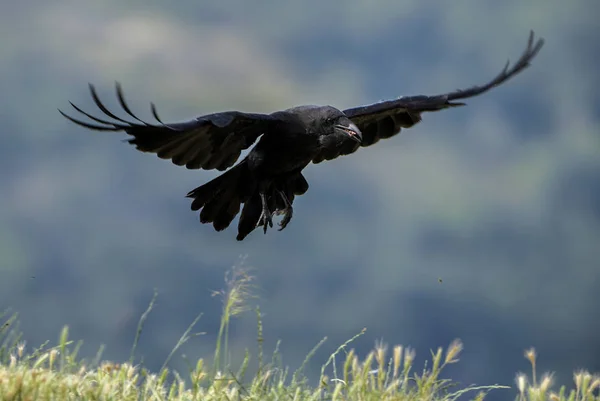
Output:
x,y
352,131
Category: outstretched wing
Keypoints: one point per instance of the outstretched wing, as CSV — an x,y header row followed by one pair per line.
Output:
x,y
206,142
386,119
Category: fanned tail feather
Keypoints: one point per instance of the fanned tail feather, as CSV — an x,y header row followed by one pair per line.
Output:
x,y
221,199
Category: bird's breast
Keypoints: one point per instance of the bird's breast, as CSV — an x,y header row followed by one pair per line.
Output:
x,y
282,154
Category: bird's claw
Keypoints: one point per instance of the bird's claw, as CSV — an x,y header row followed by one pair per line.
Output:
x,y
265,220
287,216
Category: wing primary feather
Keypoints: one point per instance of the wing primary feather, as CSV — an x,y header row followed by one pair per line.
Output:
x,y
523,62
157,118
122,124
155,113
123,103
88,125
96,118
102,107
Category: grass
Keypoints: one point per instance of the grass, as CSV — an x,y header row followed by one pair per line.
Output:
x,y
57,373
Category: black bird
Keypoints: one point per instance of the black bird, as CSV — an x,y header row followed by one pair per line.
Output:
x,y
270,176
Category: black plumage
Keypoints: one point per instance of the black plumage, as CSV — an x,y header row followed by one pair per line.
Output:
x,y
267,180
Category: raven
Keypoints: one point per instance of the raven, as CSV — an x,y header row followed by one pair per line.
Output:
x,y
270,176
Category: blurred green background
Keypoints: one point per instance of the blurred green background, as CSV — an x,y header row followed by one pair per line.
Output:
x,y
499,199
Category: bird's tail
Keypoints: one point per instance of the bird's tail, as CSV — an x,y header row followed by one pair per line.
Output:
x,y
291,186
221,198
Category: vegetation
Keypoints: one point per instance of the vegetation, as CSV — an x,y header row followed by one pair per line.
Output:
x,y
56,373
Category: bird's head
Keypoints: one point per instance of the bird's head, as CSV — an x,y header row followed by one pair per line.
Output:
x,y
335,123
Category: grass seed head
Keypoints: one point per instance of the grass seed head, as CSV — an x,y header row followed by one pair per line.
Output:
x,y
546,382
380,351
397,359
531,355
578,378
595,384
20,349
52,357
454,350
521,381
409,357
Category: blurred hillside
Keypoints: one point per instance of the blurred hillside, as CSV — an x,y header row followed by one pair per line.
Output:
x,y
499,199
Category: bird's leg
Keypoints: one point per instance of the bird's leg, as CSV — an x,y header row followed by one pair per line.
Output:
x,y
287,212
266,215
